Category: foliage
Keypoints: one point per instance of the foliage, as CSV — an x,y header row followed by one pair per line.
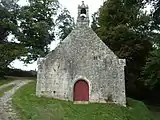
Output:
x,y
126,29
8,23
20,73
65,24
152,70
9,4
32,107
32,27
37,27
9,51
94,24
156,13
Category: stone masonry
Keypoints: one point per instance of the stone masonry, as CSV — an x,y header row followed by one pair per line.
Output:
x,y
82,55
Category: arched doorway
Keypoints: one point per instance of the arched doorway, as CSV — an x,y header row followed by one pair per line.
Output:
x,y
81,91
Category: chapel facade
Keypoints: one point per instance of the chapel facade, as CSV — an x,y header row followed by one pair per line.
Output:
x,y
82,68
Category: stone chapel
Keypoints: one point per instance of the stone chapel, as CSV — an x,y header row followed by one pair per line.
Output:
x,y
82,68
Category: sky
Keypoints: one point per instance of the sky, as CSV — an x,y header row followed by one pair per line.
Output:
x,y
71,5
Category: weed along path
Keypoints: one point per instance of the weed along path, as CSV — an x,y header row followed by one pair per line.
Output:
x,y
6,111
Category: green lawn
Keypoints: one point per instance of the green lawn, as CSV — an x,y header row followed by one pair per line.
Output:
x,y
6,89
31,107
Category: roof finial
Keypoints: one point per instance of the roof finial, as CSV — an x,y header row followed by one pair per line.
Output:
x,y
83,5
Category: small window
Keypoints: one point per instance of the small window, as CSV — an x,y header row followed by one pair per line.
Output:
x,y
83,11
95,58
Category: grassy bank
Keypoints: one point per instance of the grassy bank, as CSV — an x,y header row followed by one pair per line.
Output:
x,y
31,107
9,79
6,80
2,91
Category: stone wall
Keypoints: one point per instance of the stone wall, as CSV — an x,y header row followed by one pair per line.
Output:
x,y
82,55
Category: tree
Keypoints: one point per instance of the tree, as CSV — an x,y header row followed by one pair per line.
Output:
x,y
32,26
9,51
94,24
9,4
156,13
151,76
37,27
152,70
156,20
126,29
65,23
8,23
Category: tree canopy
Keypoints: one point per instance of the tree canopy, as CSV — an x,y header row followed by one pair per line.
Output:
x,y
65,23
36,29
32,28
8,25
127,30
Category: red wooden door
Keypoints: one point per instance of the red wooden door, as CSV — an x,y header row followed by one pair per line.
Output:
x,y
81,91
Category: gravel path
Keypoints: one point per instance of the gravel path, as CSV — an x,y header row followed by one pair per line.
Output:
x,y
6,111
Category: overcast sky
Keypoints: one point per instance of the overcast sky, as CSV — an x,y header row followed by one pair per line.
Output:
x,y
71,5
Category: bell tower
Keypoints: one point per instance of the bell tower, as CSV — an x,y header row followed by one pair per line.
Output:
x,y
83,15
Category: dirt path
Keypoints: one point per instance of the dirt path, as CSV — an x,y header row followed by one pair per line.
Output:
x,y
6,111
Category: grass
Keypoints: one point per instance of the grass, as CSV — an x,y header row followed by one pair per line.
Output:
x,y
8,79
31,107
2,91
21,78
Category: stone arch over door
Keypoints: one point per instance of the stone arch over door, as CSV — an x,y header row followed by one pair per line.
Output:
x,y
81,90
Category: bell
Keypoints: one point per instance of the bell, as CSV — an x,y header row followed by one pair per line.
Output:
x,y
83,16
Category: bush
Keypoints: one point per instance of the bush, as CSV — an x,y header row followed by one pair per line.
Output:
x,y
20,73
